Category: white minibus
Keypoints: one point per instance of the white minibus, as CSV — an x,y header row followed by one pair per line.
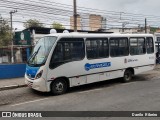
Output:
x,y
63,60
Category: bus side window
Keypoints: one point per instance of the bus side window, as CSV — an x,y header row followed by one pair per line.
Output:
x,y
141,46
58,53
137,46
149,45
119,46
97,48
67,50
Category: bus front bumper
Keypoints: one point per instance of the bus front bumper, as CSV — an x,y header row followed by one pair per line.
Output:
x,y
36,84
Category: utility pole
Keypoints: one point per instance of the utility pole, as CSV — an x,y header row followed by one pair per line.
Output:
x,y
1,21
145,25
12,56
123,26
75,15
120,15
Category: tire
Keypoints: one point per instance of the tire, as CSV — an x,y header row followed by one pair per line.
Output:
x,y
59,87
127,76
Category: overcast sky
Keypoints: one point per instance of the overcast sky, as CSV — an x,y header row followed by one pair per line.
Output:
x,y
145,7
149,7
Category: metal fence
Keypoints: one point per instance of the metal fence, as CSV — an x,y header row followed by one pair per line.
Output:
x,y
20,54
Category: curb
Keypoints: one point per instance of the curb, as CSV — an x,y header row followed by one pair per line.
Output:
x,y
12,87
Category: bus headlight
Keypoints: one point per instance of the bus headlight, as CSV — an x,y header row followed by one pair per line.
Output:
x,y
39,74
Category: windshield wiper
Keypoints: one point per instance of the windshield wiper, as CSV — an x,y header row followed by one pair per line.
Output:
x,y
33,55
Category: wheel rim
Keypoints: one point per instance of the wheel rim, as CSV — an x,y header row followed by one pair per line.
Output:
x,y
59,87
127,76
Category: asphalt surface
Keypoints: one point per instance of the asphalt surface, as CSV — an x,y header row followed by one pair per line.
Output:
x,y
142,94
133,96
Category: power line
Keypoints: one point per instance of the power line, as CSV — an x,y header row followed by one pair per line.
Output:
x,y
63,12
117,13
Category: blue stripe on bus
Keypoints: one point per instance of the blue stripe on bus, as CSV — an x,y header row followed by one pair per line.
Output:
x,y
31,71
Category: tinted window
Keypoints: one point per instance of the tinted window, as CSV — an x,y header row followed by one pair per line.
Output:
x,y
67,50
137,46
97,48
119,47
149,45
158,38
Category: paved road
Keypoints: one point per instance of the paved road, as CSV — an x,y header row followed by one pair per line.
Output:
x,y
143,94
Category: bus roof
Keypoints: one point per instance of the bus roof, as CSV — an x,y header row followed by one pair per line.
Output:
x,y
98,35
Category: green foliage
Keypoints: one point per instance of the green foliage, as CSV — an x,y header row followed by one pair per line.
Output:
x,y
56,25
5,36
153,29
32,23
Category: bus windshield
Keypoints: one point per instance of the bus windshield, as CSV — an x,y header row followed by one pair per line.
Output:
x,y
41,51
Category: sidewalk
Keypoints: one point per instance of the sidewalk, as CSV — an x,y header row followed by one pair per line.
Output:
x,y
19,82
11,83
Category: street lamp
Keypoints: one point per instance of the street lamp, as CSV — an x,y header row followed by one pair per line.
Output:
x,y
12,57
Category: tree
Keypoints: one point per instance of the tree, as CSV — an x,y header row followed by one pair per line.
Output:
x,y
5,36
32,23
153,29
57,25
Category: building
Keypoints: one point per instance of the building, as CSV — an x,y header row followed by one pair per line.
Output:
x,y
89,22
158,30
78,22
128,30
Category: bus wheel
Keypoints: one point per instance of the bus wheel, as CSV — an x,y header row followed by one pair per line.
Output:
x,y
59,87
127,76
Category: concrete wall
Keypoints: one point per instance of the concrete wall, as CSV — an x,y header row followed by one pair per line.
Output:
x,y
12,70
